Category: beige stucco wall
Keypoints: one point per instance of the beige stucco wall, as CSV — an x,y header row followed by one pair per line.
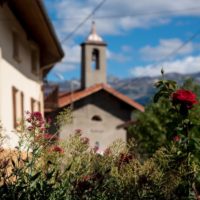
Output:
x,y
105,132
14,73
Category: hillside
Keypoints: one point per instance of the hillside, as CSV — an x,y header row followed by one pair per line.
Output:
x,y
140,89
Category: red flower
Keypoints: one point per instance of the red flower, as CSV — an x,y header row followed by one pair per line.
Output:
x,y
57,149
85,140
49,120
30,128
48,136
176,138
184,97
87,178
95,149
124,158
78,132
29,120
42,129
35,119
107,152
37,115
4,163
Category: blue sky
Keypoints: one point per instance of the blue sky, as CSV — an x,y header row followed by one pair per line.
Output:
x,y
140,35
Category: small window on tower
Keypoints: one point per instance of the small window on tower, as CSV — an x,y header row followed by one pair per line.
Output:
x,y
95,59
96,118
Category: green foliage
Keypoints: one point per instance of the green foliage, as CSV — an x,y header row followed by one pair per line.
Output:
x,y
84,174
64,117
151,128
160,122
43,167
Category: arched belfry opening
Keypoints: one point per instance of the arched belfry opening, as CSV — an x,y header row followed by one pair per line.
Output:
x,y
93,60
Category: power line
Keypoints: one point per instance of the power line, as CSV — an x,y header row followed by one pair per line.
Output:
x,y
83,22
175,51
146,13
137,13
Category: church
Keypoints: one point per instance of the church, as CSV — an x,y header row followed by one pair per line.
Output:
x,y
98,110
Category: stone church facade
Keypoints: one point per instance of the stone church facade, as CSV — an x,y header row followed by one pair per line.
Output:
x,y
98,109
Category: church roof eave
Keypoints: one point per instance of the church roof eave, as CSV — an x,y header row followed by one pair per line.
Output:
x,y
66,99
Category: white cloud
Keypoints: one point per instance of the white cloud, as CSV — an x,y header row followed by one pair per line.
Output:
x,y
67,14
70,62
144,13
165,47
72,53
63,67
122,56
126,48
187,65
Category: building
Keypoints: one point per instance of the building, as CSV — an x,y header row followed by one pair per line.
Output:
x,y
28,50
98,109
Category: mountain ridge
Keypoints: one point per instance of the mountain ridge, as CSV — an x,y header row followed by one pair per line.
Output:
x,y
141,89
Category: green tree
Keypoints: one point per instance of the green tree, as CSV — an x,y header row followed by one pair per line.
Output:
x,y
154,128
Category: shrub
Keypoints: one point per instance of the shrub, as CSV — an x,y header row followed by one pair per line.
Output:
x,y
43,167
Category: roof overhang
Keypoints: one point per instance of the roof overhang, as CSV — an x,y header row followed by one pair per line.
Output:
x,y
68,98
34,19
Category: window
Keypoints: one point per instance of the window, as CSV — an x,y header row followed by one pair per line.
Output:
x,y
18,106
96,118
15,38
34,61
95,59
35,105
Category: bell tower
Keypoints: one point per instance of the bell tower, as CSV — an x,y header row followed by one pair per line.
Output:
x,y
93,60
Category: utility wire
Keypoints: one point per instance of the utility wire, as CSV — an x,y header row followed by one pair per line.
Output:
x,y
175,51
137,13
83,22
146,13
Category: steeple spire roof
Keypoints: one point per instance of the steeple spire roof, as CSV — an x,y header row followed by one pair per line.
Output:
x,y
93,36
